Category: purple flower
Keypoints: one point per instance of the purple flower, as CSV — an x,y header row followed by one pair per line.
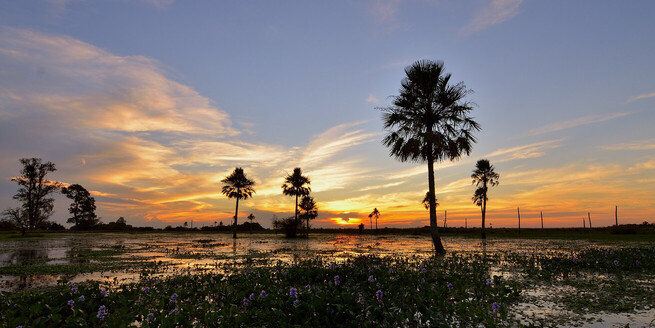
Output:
x,y
378,285
450,286
81,299
252,297
378,295
616,262
575,259
174,297
147,289
370,278
150,316
245,302
489,282
296,302
495,307
102,312
422,279
73,288
423,270
390,271
331,266
262,294
308,287
336,280
293,292
71,303
103,292
637,262
174,311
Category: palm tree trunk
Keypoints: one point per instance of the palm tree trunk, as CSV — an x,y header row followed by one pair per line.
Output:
x,y
296,207
434,230
234,226
484,210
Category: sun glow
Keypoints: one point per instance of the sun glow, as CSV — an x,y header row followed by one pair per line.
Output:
x,y
346,221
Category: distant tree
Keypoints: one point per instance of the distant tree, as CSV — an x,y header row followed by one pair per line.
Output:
x,y
83,208
426,201
375,214
121,221
34,190
310,210
251,217
290,226
483,177
18,217
294,185
429,122
361,228
237,185
186,224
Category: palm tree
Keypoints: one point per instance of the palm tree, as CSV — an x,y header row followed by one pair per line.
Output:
x,y
251,217
310,210
238,186
375,214
426,201
294,185
429,122
483,176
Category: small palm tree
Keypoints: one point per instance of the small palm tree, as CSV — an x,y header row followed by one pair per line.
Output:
x,y
238,186
483,177
426,201
310,210
429,122
251,217
375,214
297,185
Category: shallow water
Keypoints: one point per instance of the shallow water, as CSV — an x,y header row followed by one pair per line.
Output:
x,y
180,252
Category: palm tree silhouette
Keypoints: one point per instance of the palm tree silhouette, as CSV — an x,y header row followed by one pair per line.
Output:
x,y
483,176
426,201
251,217
375,214
238,186
429,122
310,210
294,185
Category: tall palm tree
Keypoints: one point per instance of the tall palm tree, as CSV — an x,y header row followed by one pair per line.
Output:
x,y
297,185
483,177
429,122
310,210
238,186
375,214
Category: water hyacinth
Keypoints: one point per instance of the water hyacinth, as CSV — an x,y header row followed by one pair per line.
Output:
x,y
336,280
174,311
495,307
370,278
296,302
308,287
378,295
245,302
81,299
450,286
146,289
174,297
102,312
489,282
252,296
262,294
71,303
293,292
103,292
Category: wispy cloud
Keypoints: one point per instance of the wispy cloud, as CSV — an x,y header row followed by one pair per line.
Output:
x,y
532,150
639,97
495,12
590,119
371,99
386,10
333,141
634,145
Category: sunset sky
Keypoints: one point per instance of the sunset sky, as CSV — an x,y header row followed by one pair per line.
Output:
x,y
150,103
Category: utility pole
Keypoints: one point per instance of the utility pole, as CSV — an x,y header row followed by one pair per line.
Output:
x,y
466,223
542,220
616,214
584,225
519,213
445,218
589,216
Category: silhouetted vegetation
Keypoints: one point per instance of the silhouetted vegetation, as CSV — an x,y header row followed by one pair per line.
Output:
x,y
309,210
375,214
429,121
483,177
289,226
238,186
83,208
297,185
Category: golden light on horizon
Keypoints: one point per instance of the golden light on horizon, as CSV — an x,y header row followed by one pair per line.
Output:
x,y
346,221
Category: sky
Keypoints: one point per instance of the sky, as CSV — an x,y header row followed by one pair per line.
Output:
x,y
149,104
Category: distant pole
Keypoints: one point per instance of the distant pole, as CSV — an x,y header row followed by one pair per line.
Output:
x,y
616,214
445,218
589,216
542,220
466,223
519,213
584,225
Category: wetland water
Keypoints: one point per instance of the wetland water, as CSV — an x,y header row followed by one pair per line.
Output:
x,y
122,258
